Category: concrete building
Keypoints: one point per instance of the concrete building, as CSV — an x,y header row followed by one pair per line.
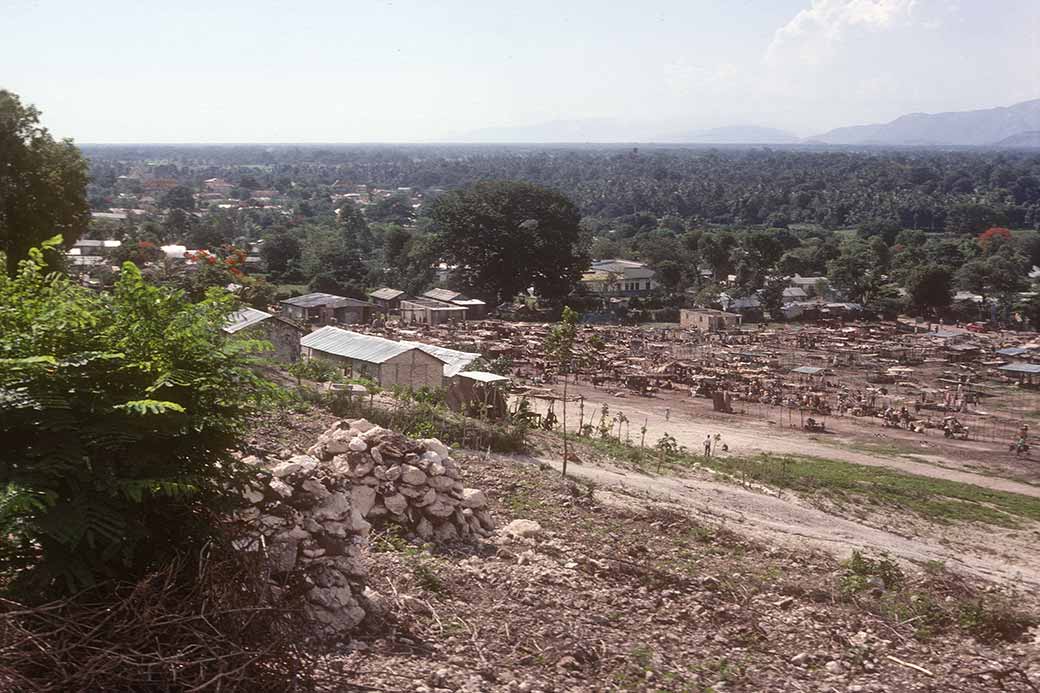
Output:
x,y
619,279
283,334
708,319
382,360
326,309
475,308
426,311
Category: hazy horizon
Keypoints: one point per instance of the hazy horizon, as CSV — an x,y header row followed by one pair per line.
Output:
x,y
407,72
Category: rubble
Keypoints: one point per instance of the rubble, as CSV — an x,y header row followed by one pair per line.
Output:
x,y
312,513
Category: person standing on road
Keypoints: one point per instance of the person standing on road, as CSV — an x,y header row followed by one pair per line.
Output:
x,y
707,446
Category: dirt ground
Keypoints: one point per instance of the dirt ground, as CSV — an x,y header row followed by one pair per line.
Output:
x,y
620,592
762,428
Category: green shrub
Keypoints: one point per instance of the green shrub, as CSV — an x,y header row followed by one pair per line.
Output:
x,y
118,412
318,370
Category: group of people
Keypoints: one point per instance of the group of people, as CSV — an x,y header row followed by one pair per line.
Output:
x,y
713,444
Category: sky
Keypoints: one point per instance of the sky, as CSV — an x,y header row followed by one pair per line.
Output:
x,y
423,71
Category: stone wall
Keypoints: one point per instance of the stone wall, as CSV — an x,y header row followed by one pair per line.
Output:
x,y
312,513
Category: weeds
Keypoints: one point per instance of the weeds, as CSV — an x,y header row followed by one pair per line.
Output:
x,y
427,578
862,573
938,603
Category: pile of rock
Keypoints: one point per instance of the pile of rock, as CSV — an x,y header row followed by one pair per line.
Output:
x,y
312,513
413,483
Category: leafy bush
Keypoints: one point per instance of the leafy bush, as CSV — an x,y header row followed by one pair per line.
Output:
x,y
118,413
318,370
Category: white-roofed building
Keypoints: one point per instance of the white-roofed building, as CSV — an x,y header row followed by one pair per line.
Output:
x,y
384,361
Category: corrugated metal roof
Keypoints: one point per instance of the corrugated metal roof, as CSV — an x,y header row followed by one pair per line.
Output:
x,y
241,319
357,346
443,294
1031,368
386,293
322,299
468,302
1012,351
431,303
482,377
807,370
454,361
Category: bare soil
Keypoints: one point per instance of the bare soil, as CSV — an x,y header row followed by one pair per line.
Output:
x,y
625,591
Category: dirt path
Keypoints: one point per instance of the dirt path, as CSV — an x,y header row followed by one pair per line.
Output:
x,y
745,435
988,553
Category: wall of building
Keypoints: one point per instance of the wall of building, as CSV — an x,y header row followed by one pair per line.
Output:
x,y
284,338
414,369
351,315
426,315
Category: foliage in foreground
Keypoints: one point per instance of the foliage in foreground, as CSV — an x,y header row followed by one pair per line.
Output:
x,y
117,412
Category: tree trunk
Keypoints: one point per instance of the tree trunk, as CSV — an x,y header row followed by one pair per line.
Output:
x,y
565,450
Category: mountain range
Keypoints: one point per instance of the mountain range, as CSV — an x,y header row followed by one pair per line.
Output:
x,y
1011,126
986,127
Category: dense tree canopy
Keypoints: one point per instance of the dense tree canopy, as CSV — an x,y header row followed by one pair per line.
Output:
x,y
42,183
507,236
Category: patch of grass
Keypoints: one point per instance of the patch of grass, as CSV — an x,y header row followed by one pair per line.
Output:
x,y
846,483
427,578
642,656
881,449
522,501
936,499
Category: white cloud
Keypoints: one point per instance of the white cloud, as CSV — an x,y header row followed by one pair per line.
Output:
x,y
811,36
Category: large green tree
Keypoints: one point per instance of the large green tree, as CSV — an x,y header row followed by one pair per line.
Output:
x,y
930,288
505,236
43,183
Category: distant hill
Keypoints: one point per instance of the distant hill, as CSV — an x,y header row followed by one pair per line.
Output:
x,y
736,134
1021,140
991,126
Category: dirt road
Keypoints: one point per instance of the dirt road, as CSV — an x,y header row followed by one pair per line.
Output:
x,y
987,553
746,435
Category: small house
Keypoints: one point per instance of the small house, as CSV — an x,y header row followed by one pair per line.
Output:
x,y
389,300
326,309
426,311
284,335
708,319
1027,374
475,308
480,394
383,361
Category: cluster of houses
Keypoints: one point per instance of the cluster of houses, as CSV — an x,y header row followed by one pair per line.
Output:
x,y
87,254
804,297
386,362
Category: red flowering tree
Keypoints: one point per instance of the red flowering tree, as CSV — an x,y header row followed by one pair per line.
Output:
x,y
987,236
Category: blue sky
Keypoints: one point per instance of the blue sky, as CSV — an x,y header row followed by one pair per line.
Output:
x,y
408,71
